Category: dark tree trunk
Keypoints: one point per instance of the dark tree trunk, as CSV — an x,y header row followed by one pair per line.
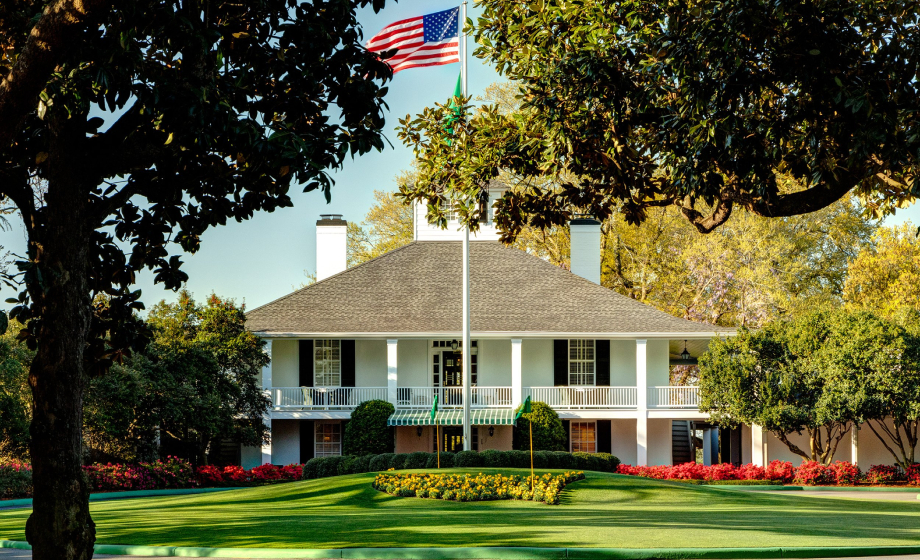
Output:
x,y
60,527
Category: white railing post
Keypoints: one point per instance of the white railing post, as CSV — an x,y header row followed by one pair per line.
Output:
x,y
391,371
517,382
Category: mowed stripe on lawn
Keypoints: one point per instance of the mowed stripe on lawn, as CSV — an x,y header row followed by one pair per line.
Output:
x,y
602,511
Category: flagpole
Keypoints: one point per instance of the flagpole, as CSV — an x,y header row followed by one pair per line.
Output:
x,y
465,356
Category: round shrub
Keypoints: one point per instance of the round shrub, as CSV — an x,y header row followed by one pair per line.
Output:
x,y
845,473
330,466
518,459
347,465
417,460
493,458
380,462
548,432
467,459
542,459
398,462
311,468
780,470
361,464
447,460
607,462
564,460
368,433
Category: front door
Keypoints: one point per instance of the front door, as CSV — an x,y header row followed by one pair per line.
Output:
x,y
452,439
451,378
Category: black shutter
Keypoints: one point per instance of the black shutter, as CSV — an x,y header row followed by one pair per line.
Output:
x,y
602,363
568,435
348,363
307,440
306,363
560,363
604,440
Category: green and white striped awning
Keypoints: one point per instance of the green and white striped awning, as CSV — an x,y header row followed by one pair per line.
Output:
x,y
453,417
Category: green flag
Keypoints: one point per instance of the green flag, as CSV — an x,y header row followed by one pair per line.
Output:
x,y
525,409
434,408
454,115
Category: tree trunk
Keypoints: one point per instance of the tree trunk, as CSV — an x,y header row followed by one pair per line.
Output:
x,y
60,527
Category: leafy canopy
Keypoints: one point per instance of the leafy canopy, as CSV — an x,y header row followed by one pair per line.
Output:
x,y
637,104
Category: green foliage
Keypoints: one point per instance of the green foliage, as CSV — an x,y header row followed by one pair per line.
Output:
x,y
367,433
632,105
15,395
389,224
321,467
817,374
548,431
197,382
468,459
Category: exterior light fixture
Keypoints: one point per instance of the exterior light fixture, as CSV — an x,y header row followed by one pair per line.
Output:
x,y
685,355
418,431
491,431
454,344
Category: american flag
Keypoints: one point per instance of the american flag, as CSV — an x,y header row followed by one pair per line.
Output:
x,y
428,40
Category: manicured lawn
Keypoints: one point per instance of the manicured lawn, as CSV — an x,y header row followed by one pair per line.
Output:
x,y
602,511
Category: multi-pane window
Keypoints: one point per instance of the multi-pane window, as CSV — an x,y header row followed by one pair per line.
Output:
x,y
450,210
584,437
581,362
328,439
327,363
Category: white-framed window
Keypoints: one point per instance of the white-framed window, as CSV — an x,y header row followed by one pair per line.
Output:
x,y
327,363
449,207
327,441
583,436
581,362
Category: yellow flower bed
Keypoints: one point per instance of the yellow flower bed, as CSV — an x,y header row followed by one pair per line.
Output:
x,y
468,488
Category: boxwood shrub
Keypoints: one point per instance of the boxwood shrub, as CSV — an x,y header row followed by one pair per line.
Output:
x,y
320,467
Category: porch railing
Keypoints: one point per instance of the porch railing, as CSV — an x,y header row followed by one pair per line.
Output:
x,y
673,397
584,397
452,397
324,398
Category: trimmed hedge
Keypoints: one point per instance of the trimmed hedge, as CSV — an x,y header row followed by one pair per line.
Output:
x,y
320,467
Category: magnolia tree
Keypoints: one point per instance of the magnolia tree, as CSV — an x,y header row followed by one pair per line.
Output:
x,y
818,375
127,129
634,104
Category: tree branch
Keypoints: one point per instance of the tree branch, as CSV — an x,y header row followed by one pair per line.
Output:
x,y
48,43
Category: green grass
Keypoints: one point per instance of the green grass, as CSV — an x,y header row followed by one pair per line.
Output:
x,y
602,511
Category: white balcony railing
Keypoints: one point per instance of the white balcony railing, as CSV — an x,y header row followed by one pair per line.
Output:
x,y
584,397
324,398
673,397
451,397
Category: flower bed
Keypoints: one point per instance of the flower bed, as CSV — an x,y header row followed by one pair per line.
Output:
x,y
809,473
469,488
16,478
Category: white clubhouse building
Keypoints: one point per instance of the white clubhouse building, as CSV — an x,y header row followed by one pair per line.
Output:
x,y
389,329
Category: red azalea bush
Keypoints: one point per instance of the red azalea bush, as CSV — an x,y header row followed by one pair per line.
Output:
x,y
780,470
845,473
913,474
15,480
884,474
813,473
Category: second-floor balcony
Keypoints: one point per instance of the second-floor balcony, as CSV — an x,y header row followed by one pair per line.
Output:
x,y
559,398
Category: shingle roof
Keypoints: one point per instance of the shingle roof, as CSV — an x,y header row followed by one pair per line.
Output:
x,y
417,289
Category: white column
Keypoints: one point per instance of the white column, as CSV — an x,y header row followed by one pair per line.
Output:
x,y
391,370
757,446
517,379
267,446
641,402
854,444
267,388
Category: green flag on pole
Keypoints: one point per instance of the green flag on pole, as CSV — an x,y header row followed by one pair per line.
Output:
x,y
434,408
525,409
454,114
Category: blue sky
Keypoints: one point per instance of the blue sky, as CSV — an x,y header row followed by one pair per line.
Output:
x,y
264,258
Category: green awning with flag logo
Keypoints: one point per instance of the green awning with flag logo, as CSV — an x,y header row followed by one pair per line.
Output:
x,y
452,417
